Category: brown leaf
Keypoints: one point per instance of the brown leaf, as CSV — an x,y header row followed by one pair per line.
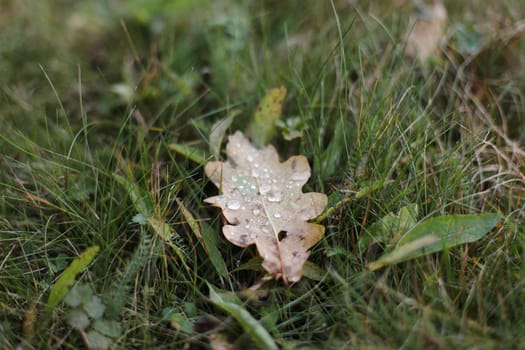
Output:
x,y
428,31
264,205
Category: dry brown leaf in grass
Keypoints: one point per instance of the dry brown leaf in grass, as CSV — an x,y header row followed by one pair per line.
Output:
x,y
428,31
263,202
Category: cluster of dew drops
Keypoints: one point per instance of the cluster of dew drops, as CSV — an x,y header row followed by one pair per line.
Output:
x,y
257,185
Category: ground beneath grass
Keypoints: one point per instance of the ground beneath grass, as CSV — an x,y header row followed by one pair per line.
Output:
x,y
109,113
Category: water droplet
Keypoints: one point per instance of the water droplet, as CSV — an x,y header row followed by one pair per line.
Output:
x,y
301,176
247,226
250,159
277,215
265,188
256,165
234,204
255,173
275,197
274,181
253,187
265,170
256,212
265,229
234,178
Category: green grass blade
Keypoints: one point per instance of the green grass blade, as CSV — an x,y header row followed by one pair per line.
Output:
x,y
195,154
137,197
67,278
209,238
259,334
143,205
437,234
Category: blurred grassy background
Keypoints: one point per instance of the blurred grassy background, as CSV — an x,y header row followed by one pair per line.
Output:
x,y
92,88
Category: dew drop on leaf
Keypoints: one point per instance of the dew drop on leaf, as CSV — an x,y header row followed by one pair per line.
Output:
x,y
275,197
264,189
234,204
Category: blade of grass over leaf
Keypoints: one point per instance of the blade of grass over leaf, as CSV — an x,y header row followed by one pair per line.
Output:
x,y
437,234
262,127
233,307
67,278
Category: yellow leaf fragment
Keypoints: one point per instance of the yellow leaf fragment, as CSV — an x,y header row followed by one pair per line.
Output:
x,y
427,32
262,127
263,202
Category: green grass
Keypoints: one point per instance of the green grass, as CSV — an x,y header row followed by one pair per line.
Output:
x,y
93,95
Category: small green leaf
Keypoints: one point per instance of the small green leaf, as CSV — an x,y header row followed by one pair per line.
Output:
x,y
140,219
78,319
438,234
292,128
80,294
58,263
67,278
95,308
262,127
98,341
108,328
389,228
252,327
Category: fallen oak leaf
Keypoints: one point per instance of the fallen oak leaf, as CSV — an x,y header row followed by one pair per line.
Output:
x,y
264,205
